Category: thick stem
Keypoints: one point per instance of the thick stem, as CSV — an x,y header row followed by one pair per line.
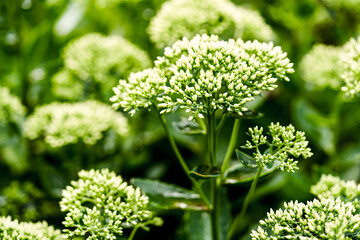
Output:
x,y
211,136
181,159
247,201
230,149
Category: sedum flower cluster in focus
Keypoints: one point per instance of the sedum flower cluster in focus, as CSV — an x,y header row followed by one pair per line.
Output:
x,y
332,187
95,60
284,142
60,124
219,17
139,91
327,218
13,229
100,204
205,74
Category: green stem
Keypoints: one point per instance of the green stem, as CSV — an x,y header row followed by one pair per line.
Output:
x,y
247,201
211,136
230,149
181,159
132,234
221,123
225,163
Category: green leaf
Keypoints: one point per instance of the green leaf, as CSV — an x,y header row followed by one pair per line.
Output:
x,y
238,173
315,125
245,159
249,114
205,172
225,214
168,196
188,127
198,225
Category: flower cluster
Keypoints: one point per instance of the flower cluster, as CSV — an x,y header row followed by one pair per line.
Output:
x,y
325,219
205,74
13,229
100,204
66,86
350,60
320,67
285,142
220,17
65,123
94,60
331,186
140,91
11,109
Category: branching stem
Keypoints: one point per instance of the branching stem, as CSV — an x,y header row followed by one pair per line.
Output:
x,y
181,159
247,201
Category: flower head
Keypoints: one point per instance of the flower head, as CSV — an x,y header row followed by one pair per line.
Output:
x,y
140,91
220,17
284,142
350,60
325,219
331,186
95,57
100,204
320,67
94,63
65,123
13,229
205,74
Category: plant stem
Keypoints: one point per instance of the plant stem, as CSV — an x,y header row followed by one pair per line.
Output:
x,y
225,163
181,159
211,136
132,234
247,201
230,149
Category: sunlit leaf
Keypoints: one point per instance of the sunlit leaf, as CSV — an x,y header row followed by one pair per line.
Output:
x,y
238,173
249,114
245,159
186,126
168,196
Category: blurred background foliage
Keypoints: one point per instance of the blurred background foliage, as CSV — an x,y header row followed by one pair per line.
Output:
x,y
62,52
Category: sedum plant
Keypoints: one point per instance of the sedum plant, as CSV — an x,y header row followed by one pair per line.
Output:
x,y
351,62
333,187
100,205
213,80
60,124
337,68
328,218
93,63
320,67
220,17
284,141
13,229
